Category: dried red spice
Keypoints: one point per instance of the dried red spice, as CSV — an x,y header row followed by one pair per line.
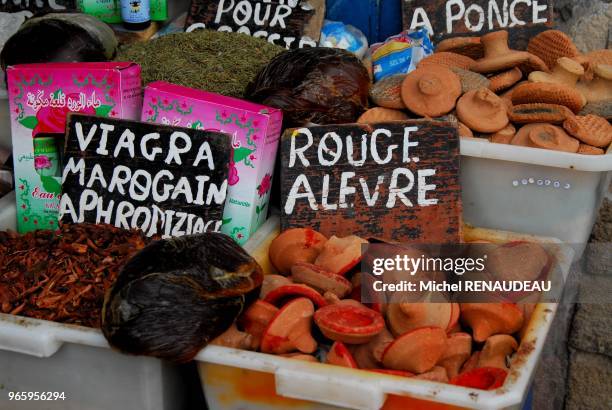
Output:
x,y
63,275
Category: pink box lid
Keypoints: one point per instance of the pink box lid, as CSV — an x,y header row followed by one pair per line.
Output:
x,y
61,66
211,97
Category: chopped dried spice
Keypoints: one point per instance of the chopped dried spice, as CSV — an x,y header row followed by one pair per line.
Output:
x,y
63,275
218,62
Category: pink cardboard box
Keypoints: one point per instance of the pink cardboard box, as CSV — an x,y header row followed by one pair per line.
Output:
x,y
40,98
255,131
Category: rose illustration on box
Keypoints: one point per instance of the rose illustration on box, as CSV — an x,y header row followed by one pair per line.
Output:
x,y
255,131
41,96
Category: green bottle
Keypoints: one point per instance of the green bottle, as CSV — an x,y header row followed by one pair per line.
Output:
x,y
46,156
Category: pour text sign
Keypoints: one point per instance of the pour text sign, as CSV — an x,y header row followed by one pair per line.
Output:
x,y
160,179
452,18
397,181
287,23
13,6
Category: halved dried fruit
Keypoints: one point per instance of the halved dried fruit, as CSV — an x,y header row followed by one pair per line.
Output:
x,y
349,323
271,282
458,351
495,351
321,279
256,319
417,351
485,378
340,255
289,330
281,295
487,319
293,246
404,317
340,356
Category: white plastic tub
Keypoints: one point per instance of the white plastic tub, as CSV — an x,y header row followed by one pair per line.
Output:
x,y
237,379
42,356
532,190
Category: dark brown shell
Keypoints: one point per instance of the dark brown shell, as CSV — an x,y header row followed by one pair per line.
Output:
x,y
176,295
60,37
313,85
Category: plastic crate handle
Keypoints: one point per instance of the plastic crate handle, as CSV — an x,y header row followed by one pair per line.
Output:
x,y
326,387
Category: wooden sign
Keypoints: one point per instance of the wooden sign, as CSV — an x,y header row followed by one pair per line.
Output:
x,y
397,181
160,179
287,23
452,18
36,6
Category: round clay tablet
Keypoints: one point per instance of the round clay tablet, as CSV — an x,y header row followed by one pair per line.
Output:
x,y
550,45
482,111
386,92
547,136
506,79
531,113
548,93
466,46
448,60
590,129
381,114
431,91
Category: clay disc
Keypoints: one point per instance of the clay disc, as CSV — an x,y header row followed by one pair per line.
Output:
x,y
505,80
548,93
448,60
466,46
386,92
431,91
551,45
482,111
546,136
381,114
590,129
589,150
471,80
532,113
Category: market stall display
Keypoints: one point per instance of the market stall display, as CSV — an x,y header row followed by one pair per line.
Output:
x,y
143,185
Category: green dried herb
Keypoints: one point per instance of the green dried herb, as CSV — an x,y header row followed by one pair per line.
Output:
x,y
218,62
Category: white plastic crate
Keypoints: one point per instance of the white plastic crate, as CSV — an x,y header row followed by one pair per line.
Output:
x,y
43,356
237,379
530,190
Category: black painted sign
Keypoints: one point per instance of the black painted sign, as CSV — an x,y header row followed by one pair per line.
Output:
x,y
396,181
287,23
35,6
160,179
452,18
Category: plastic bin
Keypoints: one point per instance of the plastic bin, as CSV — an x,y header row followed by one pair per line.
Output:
x,y
532,190
237,379
43,356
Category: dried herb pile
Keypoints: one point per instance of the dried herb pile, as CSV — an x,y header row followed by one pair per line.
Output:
x,y
218,62
62,276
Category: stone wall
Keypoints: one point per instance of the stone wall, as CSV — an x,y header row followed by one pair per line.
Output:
x,y
588,22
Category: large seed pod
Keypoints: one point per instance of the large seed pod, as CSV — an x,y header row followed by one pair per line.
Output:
x,y
60,37
313,85
176,295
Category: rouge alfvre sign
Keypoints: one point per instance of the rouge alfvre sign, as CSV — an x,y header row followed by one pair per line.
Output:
x,y
396,181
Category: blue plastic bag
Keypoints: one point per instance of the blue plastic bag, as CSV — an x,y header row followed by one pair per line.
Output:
x,y
400,54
